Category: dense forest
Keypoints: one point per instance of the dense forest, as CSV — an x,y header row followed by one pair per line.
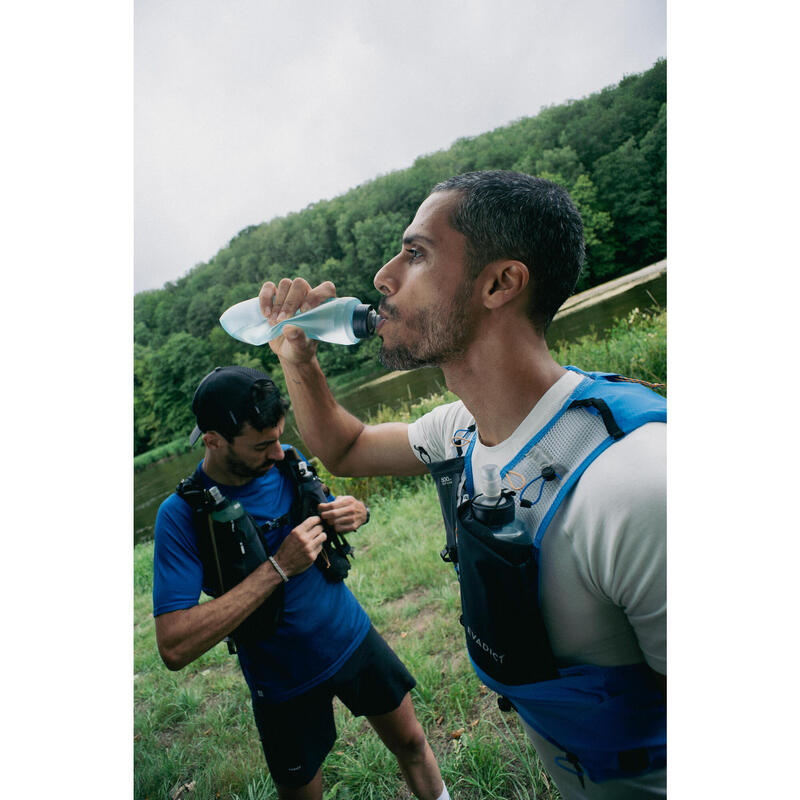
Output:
x,y
608,150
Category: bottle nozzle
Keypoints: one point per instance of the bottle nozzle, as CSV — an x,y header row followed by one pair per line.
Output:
x,y
365,318
216,495
493,485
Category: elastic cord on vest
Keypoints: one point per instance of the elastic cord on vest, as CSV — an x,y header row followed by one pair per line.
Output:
x,y
284,576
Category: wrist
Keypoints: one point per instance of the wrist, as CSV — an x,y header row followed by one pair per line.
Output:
x,y
277,567
299,360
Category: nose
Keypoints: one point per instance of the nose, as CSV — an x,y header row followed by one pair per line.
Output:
x,y
386,278
277,452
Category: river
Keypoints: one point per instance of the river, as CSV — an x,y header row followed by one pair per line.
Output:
x,y
595,309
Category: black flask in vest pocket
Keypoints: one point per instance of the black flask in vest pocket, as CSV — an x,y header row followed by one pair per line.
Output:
x,y
237,549
503,623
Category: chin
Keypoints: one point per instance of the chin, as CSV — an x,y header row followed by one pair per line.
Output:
x,y
401,358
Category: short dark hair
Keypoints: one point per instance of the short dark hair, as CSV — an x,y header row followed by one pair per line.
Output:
x,y
506,214
228,397
268,408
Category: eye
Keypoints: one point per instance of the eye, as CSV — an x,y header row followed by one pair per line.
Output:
x,y
413,253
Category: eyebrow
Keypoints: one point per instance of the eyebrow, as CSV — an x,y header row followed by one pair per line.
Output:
x,y
416,237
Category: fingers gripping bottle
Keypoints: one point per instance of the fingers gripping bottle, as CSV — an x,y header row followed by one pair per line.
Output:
x,y
341,320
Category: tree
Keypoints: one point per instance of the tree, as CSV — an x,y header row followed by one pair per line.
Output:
x,y
173,373
205,310
627,190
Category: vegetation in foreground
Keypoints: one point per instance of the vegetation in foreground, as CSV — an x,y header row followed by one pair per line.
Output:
x,y
196,725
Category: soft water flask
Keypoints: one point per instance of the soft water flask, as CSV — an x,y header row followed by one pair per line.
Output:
x,y
224,510
341,320
495,508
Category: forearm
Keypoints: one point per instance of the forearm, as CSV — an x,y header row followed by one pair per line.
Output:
x,y
341,441
325,426
186,634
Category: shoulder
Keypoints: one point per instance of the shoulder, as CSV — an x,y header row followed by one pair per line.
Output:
x,y
633,467
174,509
626,481
174,526
434,430
617,514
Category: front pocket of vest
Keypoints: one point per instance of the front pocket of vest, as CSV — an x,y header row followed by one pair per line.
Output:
x,y
503,624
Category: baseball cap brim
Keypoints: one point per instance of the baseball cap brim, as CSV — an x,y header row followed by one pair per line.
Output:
x,y
194,436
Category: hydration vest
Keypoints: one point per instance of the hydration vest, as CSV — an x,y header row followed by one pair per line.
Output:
x,y
230,551
609,721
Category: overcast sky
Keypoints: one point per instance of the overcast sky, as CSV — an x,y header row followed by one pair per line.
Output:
x,y
249,109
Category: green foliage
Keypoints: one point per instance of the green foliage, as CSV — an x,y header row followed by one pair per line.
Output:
x,y
608,150
635,347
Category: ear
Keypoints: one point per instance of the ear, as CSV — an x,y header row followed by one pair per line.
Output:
x,y
502,281
213,440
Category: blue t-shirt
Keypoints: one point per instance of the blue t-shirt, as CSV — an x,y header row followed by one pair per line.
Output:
x,y
322,624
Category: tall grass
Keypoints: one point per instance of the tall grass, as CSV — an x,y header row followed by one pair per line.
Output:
x,y
196,724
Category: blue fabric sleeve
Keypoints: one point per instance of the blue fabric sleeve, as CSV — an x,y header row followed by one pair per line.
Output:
x,y
177,570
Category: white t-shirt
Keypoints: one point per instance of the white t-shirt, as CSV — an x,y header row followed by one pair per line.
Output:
x,y
603,557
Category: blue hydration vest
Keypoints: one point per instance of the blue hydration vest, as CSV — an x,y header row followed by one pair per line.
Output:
x,y
609,721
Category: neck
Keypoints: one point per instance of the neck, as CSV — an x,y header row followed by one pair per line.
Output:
x,y
219,473
505,372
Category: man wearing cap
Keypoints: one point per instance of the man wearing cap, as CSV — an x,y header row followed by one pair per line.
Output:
x,y
324,643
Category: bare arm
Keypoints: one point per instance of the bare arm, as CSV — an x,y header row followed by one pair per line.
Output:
x,y
186,634
341,441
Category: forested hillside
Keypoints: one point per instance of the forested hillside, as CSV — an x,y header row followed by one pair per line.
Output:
x,y
608,149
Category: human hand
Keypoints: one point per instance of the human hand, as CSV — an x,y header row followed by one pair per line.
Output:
x,y
281,302
300,548
344,514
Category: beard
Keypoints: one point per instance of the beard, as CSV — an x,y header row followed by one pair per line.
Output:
x,y
237,467
442,335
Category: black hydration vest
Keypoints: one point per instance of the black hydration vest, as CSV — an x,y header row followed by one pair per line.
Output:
x,y
230,551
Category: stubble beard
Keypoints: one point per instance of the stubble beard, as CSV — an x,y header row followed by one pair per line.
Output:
x,y
442,336
237,467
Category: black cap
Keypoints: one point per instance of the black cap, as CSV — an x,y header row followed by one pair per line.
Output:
x,y
224,399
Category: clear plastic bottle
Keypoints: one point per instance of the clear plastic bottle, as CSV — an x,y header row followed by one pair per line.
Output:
x,y
495,508
341,320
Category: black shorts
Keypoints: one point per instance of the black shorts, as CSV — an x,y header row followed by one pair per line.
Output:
x,y
297,735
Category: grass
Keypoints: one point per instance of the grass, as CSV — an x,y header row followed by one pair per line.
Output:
x,y
174,448
196,724
635,346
